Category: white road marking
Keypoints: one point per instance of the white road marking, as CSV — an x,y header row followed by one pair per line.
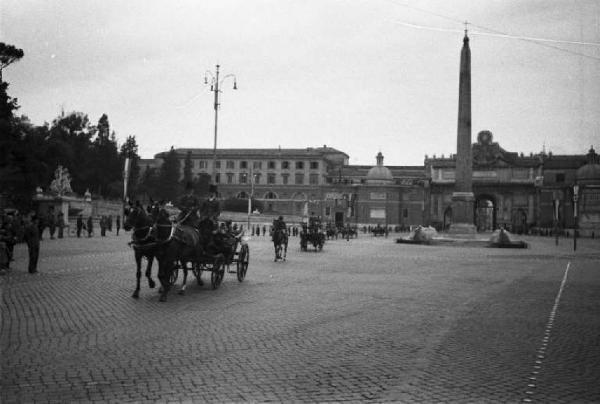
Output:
x,y
542,349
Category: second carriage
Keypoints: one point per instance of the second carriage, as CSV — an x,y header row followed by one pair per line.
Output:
x,y
313,234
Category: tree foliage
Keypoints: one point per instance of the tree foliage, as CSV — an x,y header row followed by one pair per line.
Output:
x,y
8,55
168,186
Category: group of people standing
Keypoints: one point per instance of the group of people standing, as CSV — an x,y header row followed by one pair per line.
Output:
x,y
105,223
15,228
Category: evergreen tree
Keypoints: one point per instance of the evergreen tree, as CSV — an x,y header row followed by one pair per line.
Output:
x,y
68,144
188,176
147,186
169,187
130,149
107,177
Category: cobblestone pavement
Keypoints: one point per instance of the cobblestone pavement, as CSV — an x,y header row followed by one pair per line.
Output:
x,y
364,320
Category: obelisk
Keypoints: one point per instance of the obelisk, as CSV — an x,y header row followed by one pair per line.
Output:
x,y
462,198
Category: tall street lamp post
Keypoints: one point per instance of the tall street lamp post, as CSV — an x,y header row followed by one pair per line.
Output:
x,y
556,208
575,200
215,84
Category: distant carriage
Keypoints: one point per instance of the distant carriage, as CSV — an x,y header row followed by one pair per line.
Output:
x,y
312,234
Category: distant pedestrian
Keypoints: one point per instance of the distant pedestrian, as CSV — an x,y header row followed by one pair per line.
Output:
x,y
118,224
264,230
61,224
32,238
103,226
90,226
51,222
109,223
79,224
41,226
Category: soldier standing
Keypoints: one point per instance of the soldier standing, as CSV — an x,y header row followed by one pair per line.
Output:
x,y
51,222
90,226
32,238
61,224
79,224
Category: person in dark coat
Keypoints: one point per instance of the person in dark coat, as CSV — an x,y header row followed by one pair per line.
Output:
x,y
188,204
90,226
61,224
51,223
79,224
103,226
32,238
211,209
41,221
118,224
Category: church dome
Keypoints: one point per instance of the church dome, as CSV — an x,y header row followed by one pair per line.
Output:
x,y
589,173
379,174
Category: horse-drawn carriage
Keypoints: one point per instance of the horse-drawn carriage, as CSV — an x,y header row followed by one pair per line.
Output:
x,y
234,250
175,246
312,234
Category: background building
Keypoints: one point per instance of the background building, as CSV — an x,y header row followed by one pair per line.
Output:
x,y
513,190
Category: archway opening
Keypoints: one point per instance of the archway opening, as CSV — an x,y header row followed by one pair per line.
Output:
x,y
485,213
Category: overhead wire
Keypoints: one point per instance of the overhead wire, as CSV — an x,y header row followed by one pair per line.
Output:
x,y
544,42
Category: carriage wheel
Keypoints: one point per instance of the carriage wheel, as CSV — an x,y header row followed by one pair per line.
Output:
x,y
242,263
218,272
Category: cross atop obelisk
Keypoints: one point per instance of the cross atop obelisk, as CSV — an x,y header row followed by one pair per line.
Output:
x,y
462,198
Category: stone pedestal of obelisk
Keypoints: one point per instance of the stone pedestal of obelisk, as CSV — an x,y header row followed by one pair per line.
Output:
x,y
463,200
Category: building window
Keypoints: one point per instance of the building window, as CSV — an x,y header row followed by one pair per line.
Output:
x,y
243,164
218,164
285,165
270,195
377,213
257,165
299,179
230,164
202,164
285,178
271,165
257,178
243,178
314,165
270,178
560,177
327,211
405,213
242,195
217,178
229,178
299,165
313,179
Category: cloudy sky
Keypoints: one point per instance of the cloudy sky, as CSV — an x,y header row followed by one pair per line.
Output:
x,y
359,75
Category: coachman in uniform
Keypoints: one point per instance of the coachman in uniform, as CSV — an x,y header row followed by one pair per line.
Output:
x,y
188,204
211,209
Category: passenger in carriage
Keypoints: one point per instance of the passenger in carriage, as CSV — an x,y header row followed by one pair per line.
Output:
x,y
188,204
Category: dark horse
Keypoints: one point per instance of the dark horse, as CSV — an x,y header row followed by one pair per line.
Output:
x,y
175,244
142,242
280,242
